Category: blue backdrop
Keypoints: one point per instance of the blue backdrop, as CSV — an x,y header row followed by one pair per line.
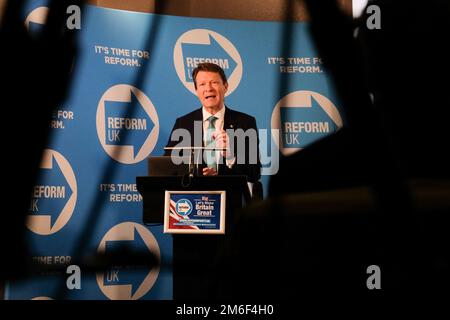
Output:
x,y
131,80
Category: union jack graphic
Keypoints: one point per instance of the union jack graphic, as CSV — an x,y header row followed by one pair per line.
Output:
x,y
175,217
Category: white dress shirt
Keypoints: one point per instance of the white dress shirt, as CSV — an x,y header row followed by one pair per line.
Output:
x,y
218,124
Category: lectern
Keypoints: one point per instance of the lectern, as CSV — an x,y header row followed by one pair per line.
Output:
x,y
194,255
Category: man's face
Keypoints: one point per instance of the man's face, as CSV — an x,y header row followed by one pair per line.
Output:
x,y
210,90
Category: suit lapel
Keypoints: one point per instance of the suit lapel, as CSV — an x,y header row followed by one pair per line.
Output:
x,y
197,116
228,123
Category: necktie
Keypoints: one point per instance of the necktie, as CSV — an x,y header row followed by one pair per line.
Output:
x,y
210,155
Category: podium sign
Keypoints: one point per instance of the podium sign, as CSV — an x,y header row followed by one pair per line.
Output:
x,y
195,212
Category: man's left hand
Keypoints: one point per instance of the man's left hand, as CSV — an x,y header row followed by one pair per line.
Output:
x,y
209,172
222,141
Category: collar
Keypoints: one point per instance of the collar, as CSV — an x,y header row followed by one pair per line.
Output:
x,y
219,115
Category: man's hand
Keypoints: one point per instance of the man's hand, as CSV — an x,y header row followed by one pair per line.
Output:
x,y
209,171
222,141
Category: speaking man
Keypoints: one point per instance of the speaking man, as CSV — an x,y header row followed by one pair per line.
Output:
x,y
215,126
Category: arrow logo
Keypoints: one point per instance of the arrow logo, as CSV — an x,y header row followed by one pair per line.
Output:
x,y
51,192
302,125
37,18
123,274
212,52
183,207
123,130
35,28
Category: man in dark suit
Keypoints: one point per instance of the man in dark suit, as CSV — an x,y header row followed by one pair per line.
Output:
x,y
216,126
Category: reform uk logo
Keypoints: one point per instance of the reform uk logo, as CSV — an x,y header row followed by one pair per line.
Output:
x,y
36,19
202,45
302,117
127,124
54,195
127,282
183,207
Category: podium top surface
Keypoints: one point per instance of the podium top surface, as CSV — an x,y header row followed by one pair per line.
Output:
x,y
237,183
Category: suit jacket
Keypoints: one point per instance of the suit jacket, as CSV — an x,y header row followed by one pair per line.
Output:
x,y
232,120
